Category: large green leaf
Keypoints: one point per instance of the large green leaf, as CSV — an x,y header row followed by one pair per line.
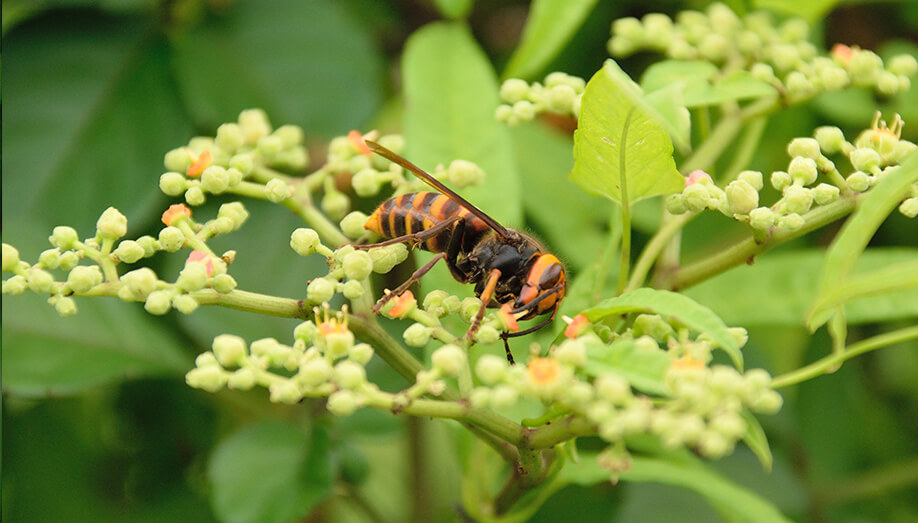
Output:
x,y
270,472
812,10
306,63
644,368
673,305
850,243
779,289
550,25
620,142
88,112
700,83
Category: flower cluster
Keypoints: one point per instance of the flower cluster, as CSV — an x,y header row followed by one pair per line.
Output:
x,y
560,93
779,54
876,152
107,250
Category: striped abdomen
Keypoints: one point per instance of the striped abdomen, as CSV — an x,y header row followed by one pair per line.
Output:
x,y
414,212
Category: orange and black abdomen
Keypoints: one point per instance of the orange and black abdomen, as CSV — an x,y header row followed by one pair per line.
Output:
x,y
415,212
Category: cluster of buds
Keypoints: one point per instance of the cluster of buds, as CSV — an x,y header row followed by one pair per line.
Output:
x,y
106,250
241,150
876,152
781,54
560,93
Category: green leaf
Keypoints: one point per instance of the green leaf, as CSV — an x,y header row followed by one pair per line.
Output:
x,y
734,501
891,279
270,471
108,341
644,369
550,25
453,8
811,11
757,441
570,220
847,247
675,306
783,286
306,63
700,84
620,138
88,112
676,119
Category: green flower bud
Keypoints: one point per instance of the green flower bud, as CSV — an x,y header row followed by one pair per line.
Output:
x,y
243,163
629,28
858,181
469,308
825,193
304,241
753,178
903,64
229,350
802,170
211,379
769,402
675,204
798,84
614,389
215,179
715,47
129,251
417,335
40,281
386,258
65,306
742,197
864,159
491,369
504,113
233,177
791,222
335,204
177,159
50,259
658,29
560,99
184,303
864,67
358,163
172,183
678,49
112,224
242,379
504,396
357,265
780,180
652,325
571,352
350,375
361,353
320,290
352,224
269,146
83,278
277,190
315,372
761,219
352,289
804,147
909,207
229,137
158,302
194,196
224,283
524,110
514,90
15,285
487,335
171,239
696,197
762,72
285,391
254,125
289,135
794,30
68,260
462,173
367,182
343,403
234,211
480,398
62,237
713,444
305,331
193,277
141,282
433,302
834,78
785,56
830,139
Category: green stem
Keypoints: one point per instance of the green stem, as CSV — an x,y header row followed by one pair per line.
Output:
x,y
263,175
328,231
725,132
625,267
605,261
745,250
671,225
558,432
746,148
877,483
832,361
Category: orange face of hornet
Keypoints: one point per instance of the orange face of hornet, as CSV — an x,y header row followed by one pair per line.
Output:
x,y
509,269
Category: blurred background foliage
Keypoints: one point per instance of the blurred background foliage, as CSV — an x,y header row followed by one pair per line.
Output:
x,y
99,425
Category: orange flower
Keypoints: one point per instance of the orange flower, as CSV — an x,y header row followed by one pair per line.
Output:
x,y
333,326
544,371
174,212
686,363
696,176
203,257
202,162
508,319
356,140
842,52
401,305
576,326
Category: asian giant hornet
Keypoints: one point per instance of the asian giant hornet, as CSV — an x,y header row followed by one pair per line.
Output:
x,y
510,270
